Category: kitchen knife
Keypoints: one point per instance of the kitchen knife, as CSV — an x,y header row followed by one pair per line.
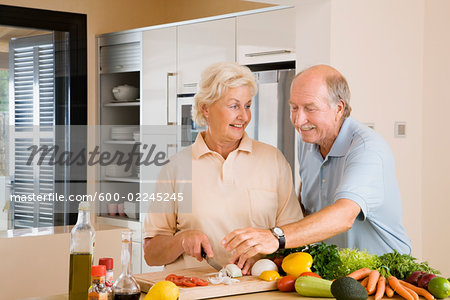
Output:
x,y
211,261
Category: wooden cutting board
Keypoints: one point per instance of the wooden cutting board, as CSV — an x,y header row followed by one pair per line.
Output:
x,y
246,284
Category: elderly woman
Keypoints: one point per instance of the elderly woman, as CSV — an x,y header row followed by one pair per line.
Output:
x,y
236,181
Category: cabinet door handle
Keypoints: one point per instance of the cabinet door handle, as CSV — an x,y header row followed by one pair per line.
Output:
x,y
268,53
169,74
119,67
194,84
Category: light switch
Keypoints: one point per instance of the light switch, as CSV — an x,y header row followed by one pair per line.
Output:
x,y
400,129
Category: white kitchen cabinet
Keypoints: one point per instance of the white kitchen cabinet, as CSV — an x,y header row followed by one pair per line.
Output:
x,y
159,66
200,45
266,37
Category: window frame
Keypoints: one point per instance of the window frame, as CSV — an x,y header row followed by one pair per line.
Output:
x,y
75,25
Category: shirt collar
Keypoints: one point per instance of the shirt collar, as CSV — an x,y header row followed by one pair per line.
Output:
x,y
199,148
344,139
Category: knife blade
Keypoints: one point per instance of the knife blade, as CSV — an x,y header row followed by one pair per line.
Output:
x,y
211,261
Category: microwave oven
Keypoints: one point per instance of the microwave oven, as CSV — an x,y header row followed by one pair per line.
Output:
x,y
188,128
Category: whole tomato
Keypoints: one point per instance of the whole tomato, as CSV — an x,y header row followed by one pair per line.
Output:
x,y
286,284
278,261
310,274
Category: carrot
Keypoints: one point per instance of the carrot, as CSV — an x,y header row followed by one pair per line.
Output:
x,y
389,290
360,274
372,283
381,287
418,290
398,288
411,292
364,281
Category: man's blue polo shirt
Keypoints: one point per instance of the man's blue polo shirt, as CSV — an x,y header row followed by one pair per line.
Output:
x,y
359,167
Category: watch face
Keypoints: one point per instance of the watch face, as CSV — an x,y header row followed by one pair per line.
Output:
x,y
278,231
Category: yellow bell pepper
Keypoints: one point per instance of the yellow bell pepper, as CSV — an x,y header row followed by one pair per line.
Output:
x,y
296,263
269,275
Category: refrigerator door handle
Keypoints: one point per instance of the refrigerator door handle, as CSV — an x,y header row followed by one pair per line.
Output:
x,y
265,53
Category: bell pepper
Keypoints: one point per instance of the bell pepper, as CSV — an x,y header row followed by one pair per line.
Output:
x,y
296,263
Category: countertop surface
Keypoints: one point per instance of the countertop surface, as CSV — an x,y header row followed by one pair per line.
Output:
x,y
39,231
275,295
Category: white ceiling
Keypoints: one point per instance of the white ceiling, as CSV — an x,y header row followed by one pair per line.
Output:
x,y
7,33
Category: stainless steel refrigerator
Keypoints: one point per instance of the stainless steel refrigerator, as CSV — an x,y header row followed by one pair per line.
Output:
x,y
271,113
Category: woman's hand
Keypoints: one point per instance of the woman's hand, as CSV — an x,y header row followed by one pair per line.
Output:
x,y
193,241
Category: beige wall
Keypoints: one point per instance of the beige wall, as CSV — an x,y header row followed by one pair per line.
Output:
x,y
436,138
395,57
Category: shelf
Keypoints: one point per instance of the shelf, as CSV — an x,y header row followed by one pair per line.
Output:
x,y
121,142
122,179
114,104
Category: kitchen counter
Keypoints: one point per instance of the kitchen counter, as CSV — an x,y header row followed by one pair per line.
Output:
x,y
275,295
39,257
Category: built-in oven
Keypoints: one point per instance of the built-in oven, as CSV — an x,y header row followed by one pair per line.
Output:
x,y
188,128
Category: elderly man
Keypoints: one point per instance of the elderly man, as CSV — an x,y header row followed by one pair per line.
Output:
x,y
349,193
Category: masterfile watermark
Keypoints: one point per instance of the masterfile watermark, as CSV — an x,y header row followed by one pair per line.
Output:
x,y
53,155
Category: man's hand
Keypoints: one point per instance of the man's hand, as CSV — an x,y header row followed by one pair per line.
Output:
x,y
247,268
248,242
193,241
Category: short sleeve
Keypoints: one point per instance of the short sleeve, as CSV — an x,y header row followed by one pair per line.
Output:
x,y
161,218
362,181
289,210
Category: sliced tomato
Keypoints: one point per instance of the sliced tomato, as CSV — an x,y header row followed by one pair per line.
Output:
x,y
171,277
188,282
179,281
199,281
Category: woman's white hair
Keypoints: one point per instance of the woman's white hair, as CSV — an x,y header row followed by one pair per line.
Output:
x,y
215,82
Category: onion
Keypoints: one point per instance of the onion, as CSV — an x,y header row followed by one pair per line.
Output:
x,y
222,278
263,265
233,271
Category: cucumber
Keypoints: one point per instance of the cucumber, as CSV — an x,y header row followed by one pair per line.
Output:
x,y
310,286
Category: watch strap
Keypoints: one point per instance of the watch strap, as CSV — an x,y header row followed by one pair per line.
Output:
x,y
281,238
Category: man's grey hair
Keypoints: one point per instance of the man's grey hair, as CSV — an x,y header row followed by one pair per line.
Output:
x,y
337,89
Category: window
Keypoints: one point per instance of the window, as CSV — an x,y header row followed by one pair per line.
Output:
x,y
43,85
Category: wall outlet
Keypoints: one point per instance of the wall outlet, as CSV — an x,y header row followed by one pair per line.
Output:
x,y
400,129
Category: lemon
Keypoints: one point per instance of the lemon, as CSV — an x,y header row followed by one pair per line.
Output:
x,y
163,290
269,275
439,287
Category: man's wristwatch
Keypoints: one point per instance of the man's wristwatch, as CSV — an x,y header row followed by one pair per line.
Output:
x,y
279,234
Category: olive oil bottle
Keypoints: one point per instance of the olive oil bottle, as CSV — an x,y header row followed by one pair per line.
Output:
x,y
81,249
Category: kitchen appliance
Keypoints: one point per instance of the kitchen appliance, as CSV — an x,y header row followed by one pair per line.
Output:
x,y
270,108
270,114
188,128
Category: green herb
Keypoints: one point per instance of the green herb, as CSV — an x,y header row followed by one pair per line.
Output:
x,y
402,265
353,259
326,260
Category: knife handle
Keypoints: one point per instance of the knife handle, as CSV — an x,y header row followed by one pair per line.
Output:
x,y
203,253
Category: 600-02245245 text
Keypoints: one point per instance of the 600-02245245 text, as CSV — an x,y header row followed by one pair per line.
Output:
x,y
139,197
